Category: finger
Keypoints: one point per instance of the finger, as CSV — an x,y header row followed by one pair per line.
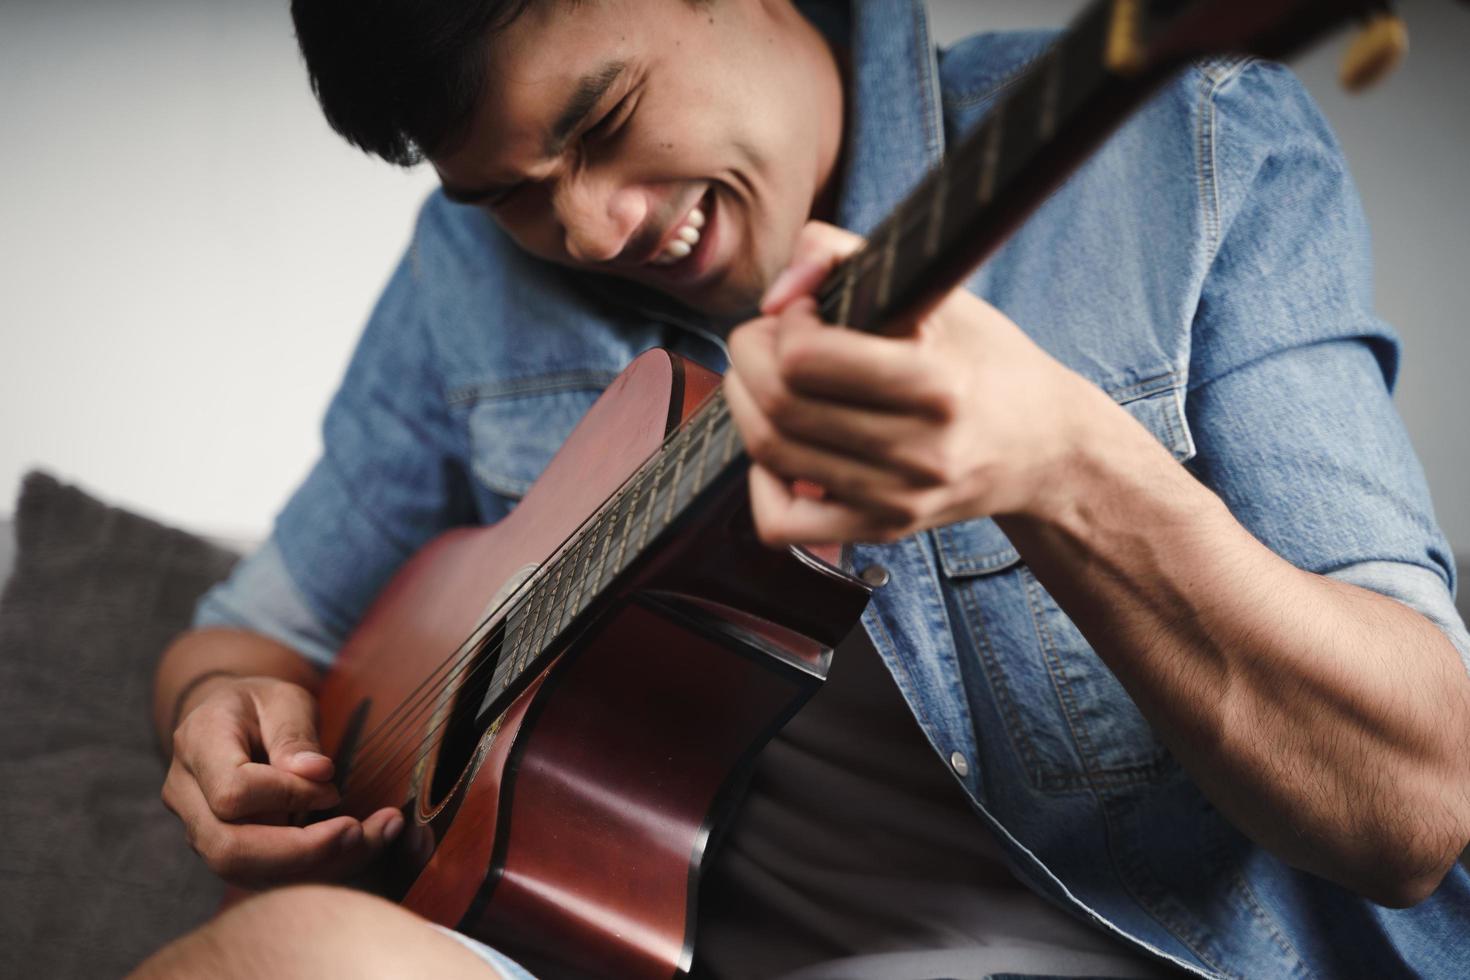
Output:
x,y
213,748
858,368
819,247
255,791
786,518
257,854
287,716
843,477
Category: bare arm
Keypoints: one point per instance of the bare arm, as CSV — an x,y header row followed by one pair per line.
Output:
x,y
1330,723
222,654
237,714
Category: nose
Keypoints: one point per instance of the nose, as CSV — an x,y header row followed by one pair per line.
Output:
x,y
598,217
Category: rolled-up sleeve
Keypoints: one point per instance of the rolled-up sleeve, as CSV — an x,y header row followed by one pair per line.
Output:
x,y
1291,373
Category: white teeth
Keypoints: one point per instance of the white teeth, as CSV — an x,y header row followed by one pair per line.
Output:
x,y
683,241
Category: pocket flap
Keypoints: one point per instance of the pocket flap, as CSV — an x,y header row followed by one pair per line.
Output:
x,y
980,547
977,547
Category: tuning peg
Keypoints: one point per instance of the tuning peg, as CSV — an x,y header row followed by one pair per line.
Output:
x,y
1379,46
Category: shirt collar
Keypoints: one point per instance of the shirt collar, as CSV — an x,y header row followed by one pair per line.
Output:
x,y
895,127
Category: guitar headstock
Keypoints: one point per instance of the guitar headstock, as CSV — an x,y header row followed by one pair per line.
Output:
x,y
1145,35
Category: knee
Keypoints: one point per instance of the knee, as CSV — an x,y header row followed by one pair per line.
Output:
x,y
296,931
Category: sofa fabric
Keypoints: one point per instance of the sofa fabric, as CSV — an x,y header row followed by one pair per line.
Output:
x,y
96,873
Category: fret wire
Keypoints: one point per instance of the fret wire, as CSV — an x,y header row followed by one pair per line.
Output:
x,y
579,580
651,504
732,442
704,445
533,615
558,612
548,602
632,500
601,531
678,471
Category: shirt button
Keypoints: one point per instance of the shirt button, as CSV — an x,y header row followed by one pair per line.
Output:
x,y
960,764
874,575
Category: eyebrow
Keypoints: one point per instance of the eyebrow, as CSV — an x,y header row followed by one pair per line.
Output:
x,y
589,92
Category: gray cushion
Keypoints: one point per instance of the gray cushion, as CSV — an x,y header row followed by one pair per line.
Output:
x,y
95,872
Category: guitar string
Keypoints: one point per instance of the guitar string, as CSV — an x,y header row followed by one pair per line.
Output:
x,y
397,766
428,694
705,418
366,777
519,600
911,217
401,764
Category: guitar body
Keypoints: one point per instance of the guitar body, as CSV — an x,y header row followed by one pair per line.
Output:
x,y
571,830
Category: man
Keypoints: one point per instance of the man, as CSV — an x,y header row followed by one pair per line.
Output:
x,y
1215,717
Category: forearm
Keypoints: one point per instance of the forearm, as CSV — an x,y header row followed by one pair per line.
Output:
x,y
220,653
1329,723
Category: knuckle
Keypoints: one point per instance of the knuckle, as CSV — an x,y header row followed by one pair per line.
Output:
x,y
776,401
230,798
224,856
767,531
762,442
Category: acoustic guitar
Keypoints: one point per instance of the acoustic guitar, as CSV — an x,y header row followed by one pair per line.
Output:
x,y
562,703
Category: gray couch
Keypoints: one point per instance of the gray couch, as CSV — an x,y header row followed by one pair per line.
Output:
x,y
96,874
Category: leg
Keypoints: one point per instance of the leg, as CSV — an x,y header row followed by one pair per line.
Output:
x,y
313,931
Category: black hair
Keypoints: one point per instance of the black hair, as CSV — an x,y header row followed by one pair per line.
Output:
x,y
399,78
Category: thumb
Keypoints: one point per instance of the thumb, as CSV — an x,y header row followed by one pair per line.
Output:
x,y
288,731
819,247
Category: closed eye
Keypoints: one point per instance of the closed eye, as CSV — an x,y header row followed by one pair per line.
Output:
x,y
608,125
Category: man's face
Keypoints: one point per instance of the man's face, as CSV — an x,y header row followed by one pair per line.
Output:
x,y
610,130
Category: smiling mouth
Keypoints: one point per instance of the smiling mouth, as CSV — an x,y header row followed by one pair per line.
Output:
x,y
682,242
685,252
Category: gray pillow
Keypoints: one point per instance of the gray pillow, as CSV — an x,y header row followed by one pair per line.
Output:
x,y
96,873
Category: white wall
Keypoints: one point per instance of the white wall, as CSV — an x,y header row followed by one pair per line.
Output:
x,y
187,252
186,256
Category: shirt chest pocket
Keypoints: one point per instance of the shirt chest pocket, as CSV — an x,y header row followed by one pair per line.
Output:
x,y
515,427
1069,722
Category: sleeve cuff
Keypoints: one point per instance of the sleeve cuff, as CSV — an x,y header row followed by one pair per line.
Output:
x,y
260,596
1416,587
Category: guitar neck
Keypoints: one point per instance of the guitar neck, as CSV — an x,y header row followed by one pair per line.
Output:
x,y
1045,123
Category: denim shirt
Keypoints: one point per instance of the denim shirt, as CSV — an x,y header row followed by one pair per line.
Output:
x,y
1208,269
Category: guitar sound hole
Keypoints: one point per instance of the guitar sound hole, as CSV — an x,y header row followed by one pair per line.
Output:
x,y
466,725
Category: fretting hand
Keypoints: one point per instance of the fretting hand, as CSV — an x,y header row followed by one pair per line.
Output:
x,y
965,417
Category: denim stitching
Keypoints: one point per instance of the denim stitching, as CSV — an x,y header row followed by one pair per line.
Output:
x,y
1205,162
1095,774
559,381
915,704
1248,898
1062,686
926,70
1015,731
1147,893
